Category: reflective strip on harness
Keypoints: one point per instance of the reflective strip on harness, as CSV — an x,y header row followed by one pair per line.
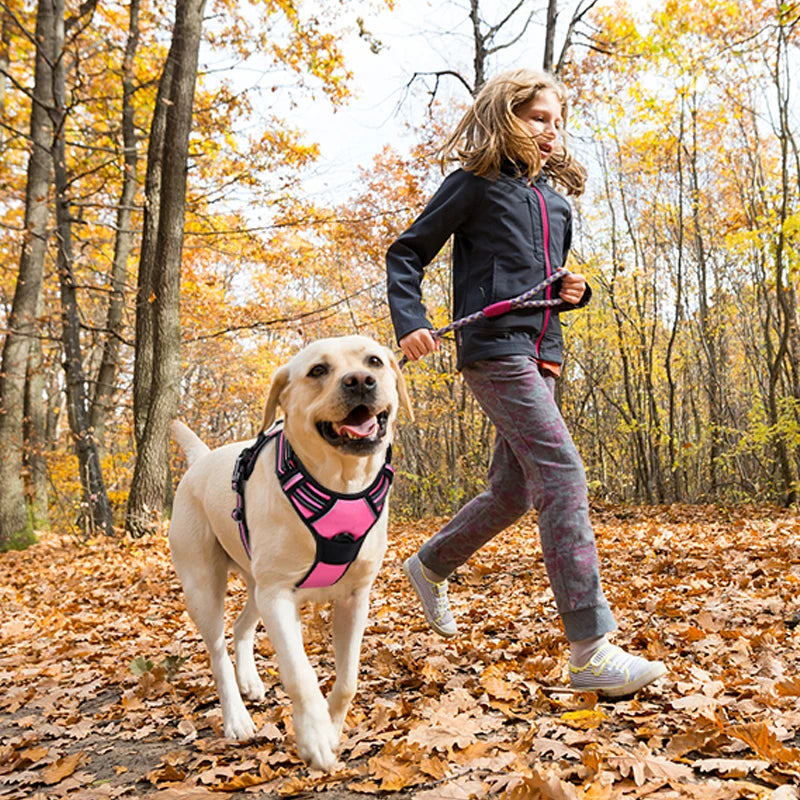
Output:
x,y
339,523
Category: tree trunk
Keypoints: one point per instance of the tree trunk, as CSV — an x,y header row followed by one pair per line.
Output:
x,y
5,60
786,355
145,291
35,435
479,54
28,290
150,476
677,320
96,509
107,372
550,36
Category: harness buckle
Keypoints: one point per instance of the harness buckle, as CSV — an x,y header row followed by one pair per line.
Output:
x,y
239,468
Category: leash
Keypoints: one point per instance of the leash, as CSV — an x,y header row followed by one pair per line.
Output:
x,y
524,300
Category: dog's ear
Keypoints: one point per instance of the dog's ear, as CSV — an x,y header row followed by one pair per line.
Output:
x,y
402,389
279,381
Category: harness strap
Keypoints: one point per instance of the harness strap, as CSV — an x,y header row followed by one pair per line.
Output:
x,y
338,522
242,470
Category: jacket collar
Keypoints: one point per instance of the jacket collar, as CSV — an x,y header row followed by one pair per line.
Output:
x,y
512,169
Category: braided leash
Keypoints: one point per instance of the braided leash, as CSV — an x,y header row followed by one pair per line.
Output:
x,y
524,300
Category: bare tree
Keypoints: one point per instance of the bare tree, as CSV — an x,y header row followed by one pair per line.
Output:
x,y
486,41
582,9
485,44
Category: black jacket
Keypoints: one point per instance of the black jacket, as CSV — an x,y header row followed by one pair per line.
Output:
x,y
499,229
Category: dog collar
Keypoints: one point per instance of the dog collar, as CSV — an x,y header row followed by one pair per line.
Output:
x,y
338,522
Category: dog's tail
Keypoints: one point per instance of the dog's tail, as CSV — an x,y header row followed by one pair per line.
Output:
x,y
191,444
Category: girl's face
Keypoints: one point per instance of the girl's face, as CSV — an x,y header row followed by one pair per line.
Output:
x,y
542,115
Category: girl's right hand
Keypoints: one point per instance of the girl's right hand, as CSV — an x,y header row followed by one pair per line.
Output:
x,y
418,343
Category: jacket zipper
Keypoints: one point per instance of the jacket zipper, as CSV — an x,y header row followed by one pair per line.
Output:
x,y
548,267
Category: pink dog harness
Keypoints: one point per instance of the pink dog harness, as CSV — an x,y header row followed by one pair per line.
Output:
x,y
339,523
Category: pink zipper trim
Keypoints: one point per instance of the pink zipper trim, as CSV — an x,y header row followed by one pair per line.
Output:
x,y
548,267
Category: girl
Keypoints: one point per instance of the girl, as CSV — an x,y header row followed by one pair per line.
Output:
x,y
510,230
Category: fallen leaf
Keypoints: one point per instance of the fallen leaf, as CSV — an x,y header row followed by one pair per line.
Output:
x,y
643,765
733,767
788,687
540,786
443,732
583,720
462,789
394,775
62,768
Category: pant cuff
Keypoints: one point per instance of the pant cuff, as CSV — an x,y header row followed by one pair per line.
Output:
x,y
586,623
434,564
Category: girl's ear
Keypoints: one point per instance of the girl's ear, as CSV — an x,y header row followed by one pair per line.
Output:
x,y
279,381
402,389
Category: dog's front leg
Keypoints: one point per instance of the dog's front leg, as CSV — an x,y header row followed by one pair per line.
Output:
x,y
317,740
349,621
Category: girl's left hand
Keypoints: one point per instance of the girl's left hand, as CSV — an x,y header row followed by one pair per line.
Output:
x,y
573,285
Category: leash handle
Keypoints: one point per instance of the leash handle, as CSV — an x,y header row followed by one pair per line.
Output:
x,y
524,300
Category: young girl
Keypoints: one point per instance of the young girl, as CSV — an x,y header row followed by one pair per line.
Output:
x,y
510,230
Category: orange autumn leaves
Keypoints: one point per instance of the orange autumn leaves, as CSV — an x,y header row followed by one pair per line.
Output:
x,y
107,690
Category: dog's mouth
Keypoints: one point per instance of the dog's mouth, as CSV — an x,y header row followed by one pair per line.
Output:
x,y
359,432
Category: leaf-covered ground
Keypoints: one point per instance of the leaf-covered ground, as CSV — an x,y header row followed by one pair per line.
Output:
x,y
106,689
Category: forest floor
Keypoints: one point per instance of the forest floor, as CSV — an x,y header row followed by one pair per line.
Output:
x,y
106,688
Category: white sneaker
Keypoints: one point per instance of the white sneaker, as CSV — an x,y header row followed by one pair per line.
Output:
x,y
614,673
433,596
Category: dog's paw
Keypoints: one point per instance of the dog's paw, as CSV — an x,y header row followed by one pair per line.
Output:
x,y
239,726
251,687
317,741
318,756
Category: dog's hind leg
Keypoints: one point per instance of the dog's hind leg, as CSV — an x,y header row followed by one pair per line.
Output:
x,y
349,620
202,566
244,631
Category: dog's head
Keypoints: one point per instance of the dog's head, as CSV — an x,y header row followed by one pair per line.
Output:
x,y
342,393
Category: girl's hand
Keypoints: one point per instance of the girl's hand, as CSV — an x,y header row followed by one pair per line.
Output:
x,y
573,285
418,343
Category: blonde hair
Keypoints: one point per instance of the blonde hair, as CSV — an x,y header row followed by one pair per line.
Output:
x,y
490,132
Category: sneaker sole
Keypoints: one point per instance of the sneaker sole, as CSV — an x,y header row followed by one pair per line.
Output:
x,y
432,623
654,673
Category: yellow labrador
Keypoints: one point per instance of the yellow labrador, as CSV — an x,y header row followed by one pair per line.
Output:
x,y
302,519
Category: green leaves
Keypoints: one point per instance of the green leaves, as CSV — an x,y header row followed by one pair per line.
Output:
x,y
140,665
168,667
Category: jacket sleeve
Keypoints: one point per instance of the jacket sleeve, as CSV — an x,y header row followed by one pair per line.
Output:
x,y
587,293
414,249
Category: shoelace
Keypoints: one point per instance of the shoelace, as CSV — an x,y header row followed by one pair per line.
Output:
x,y
442,600
616,657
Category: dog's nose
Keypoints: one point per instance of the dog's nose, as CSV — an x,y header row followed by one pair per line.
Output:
x,y
359,383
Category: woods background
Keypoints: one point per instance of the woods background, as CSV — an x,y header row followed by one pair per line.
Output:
x,y
159,256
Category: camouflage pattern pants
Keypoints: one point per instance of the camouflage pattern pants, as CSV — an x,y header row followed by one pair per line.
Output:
x,y
535,464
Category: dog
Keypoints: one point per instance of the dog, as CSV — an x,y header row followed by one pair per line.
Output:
x,y
340,399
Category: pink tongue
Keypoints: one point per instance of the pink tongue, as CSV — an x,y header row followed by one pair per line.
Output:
x,y
361,431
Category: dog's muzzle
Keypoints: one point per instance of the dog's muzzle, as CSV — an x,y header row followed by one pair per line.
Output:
x,y
359,433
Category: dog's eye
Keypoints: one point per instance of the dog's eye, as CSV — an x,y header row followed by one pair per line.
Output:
x,y
374,361
317,371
